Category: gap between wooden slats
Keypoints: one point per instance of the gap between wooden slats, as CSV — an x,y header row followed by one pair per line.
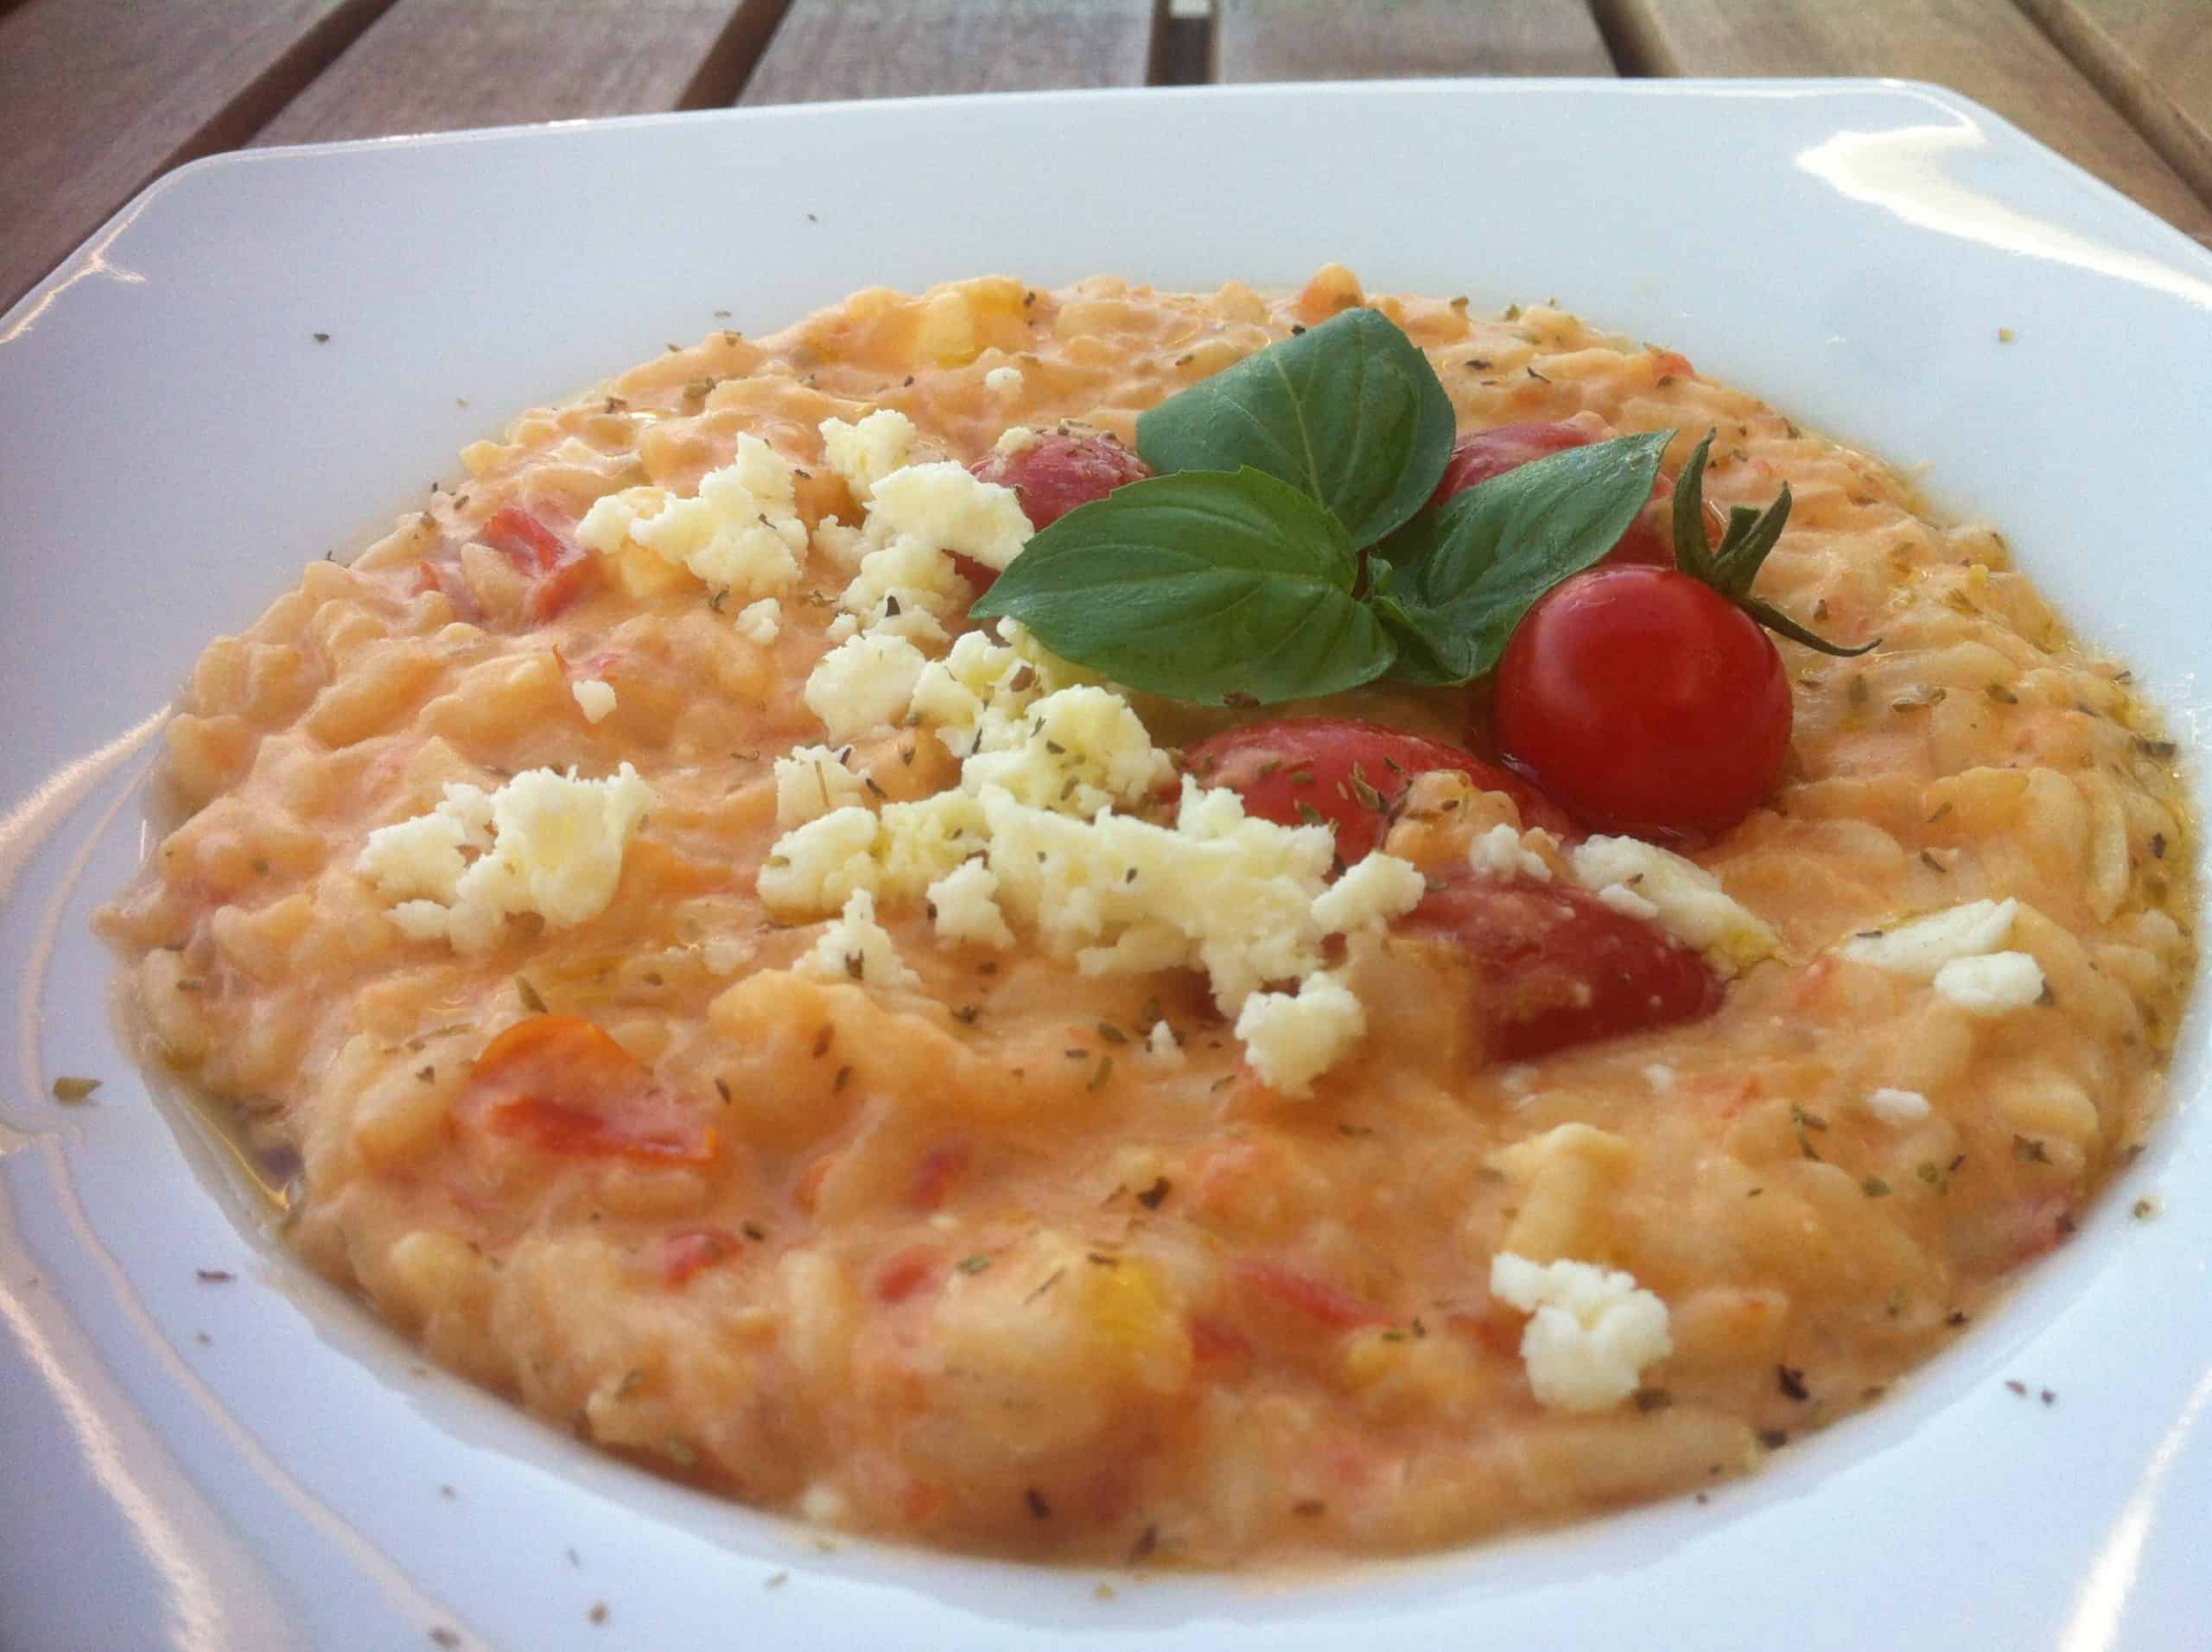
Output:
x,y
1337,39
2154,62
1985,48
97,98
434,65
902,48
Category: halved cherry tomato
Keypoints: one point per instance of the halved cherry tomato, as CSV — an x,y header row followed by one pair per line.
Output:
x,y
1348,774
559,567
1646,703
563,1084
1053,475
1482,455
1556,966
690,1249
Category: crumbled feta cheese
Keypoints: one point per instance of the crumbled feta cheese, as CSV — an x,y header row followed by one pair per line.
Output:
x,y
962,907
739,532
1626,902
843,628
1660,1076
1686,900
1003,381
760,622
1996,983
1499,853
978,685
840,546
866,453
595,698
812,781
864,684
1897,1107
1921,948
1161,1044
1591,1332
1291,1038
546,844
857,948
1015,438
1076,752
1377,889
917,517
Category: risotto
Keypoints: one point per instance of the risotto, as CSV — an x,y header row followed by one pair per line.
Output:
x,y
868,1060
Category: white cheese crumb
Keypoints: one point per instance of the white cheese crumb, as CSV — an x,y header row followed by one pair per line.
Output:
x,y
546,844
1592,1330
1003,381
739,532
843,628
594,698
1015,438
1897,1107
760,622
812,781
1373,892
962,904
1076,752
1921,948
1291,1038
866,453
917,517
865,683
1161,1044
1660,1076
1499,853
1686,900
857,948
1994,984
1626,902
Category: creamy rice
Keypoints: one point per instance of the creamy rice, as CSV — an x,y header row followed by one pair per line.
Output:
x,y
908,1230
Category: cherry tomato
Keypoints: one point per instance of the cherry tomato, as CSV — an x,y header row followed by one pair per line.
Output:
x,y
1644,701
1555,966
1053,475
559,569
562,1084
1482,455
1347,775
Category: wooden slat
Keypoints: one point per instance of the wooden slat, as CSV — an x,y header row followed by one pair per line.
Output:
x,y
2153,60
1340,39
1985,48
100,97
904,49
435,65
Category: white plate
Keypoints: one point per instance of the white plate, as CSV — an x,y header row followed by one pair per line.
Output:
x,y
257,1464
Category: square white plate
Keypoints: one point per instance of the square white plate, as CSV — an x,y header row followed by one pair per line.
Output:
x,y
204,1464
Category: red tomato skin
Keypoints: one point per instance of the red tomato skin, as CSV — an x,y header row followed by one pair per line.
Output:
x,y
1481,455
1053,475
688,1250
1646,703
562,1086
1289,1287
559,569
1284,767
1556,967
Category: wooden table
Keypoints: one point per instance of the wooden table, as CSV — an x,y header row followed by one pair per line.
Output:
x,y
100,97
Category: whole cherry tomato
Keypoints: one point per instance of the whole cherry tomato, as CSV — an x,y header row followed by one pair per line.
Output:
x,y
1645,702
1347,775
1555,966
1054,474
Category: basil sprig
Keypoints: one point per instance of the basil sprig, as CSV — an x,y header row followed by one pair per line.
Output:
x,y
1236,571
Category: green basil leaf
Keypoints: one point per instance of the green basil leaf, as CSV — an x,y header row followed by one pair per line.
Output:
x,y
1349,413
1474,567
1199,585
